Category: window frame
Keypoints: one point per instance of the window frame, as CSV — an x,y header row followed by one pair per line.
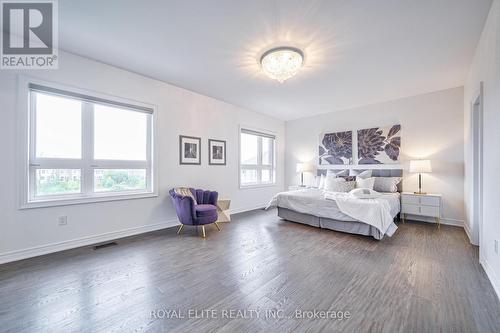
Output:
x,y
86,165
260,133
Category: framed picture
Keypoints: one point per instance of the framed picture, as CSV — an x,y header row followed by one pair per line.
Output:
x,y
189,150
335,148
379,145
216,152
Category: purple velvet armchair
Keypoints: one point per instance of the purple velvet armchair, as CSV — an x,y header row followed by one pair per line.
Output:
x,y
199,213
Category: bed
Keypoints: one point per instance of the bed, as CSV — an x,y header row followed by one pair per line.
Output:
x,y
309,206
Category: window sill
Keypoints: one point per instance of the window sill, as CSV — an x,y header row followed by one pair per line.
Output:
x,y
242,187
85,200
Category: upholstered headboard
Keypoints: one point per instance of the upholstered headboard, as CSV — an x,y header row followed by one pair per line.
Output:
x,y
375,173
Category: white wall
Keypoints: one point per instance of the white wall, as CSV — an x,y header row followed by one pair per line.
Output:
x,y
33,231
486,68
432,126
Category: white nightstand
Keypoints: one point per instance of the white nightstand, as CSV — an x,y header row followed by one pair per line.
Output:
x,y
421,205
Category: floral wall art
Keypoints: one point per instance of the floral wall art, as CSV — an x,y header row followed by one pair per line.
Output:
x,y
335,148
379,145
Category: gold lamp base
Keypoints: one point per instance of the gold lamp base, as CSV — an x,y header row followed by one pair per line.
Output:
x,y
419,192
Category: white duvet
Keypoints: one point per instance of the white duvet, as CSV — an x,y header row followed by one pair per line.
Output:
x,y
378,213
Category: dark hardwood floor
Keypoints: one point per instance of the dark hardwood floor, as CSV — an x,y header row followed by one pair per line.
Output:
x,y
420,280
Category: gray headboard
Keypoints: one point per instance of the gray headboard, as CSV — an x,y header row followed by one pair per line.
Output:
x,y
375,173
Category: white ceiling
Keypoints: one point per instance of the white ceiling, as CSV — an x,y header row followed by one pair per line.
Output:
x,y
358,52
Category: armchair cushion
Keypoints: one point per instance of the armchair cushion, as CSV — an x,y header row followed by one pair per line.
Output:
x,y
205,210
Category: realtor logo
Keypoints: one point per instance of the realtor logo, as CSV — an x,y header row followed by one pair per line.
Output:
x,y
29,39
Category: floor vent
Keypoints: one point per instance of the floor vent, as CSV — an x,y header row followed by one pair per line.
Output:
x,y
102,246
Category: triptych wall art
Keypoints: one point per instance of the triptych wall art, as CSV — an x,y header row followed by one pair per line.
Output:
x,y
378,145
335,148
190,151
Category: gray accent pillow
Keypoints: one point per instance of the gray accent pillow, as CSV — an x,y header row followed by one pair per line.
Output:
x,y
386,184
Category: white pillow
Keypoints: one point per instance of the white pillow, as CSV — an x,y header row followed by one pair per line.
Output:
x,y
340,186
364,193
338,173
321,182
387,184
361,174
365,183
330,181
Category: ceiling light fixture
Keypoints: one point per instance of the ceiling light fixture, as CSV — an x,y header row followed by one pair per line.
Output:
x,y
281,63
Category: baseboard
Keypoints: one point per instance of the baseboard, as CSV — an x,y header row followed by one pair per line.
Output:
x,y
453,222
495,281
468,232
84,241
245,209
444,220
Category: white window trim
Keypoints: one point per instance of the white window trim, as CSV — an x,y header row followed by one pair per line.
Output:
x,y
260,167
25,149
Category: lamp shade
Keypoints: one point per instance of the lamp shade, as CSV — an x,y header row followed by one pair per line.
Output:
x,y
304,167
420,166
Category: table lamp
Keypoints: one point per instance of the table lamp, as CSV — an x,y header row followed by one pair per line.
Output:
x,y
301,168
420,167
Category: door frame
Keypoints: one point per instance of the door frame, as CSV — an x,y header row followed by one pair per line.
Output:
x,y
477,131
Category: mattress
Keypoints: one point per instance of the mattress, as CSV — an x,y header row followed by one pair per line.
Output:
x,y
313,202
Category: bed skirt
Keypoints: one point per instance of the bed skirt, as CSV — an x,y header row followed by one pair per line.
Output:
x,y
358,228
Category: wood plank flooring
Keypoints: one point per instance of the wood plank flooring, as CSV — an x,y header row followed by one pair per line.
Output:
x,y
420,280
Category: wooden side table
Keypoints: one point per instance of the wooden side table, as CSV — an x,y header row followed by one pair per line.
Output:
x,y
223,210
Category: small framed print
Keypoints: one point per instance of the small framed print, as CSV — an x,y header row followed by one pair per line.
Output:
x,y
216,152
189,150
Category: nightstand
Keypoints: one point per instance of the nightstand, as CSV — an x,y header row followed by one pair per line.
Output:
x,y
428,205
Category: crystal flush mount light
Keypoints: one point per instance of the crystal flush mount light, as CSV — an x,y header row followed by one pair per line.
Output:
x,y
282,63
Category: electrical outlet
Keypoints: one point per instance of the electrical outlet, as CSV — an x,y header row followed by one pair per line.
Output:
x,y
496,246
62,220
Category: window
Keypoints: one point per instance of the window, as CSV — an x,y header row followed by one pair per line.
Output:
x,y
84,148
257,159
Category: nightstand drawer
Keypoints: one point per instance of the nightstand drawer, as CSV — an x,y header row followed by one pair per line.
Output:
x,y
410,199
420,200
410,209
430,211
430,201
